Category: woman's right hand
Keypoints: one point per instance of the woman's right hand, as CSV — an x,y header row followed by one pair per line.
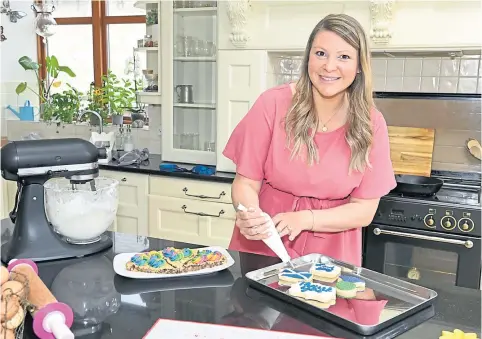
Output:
x,y
252,224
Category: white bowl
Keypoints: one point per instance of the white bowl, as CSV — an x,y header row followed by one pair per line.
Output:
x,y
80,214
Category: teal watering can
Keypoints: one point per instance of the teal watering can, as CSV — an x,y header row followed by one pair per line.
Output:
x,y
26,112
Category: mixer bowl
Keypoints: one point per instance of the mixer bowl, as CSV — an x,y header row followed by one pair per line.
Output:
x,y
78,213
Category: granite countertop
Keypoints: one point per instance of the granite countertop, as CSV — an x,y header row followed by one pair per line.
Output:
x,y
107,305
152,167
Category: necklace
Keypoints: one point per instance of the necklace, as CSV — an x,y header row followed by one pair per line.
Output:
x,y
323,125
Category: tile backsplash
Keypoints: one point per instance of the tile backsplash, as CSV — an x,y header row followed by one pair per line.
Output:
x,y
404,74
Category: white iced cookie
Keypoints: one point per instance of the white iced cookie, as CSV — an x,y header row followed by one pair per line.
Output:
x,y
313,291
325,272
288,276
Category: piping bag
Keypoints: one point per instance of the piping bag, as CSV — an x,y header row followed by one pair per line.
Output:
x,y
274,241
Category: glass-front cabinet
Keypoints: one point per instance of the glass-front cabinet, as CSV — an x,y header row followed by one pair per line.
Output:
x,y
189,82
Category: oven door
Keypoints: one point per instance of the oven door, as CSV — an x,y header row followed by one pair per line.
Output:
x,y
425,257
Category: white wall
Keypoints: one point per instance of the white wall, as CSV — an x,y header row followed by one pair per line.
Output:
x,y
21,40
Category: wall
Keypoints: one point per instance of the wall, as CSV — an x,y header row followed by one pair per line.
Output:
x,y
415,23
21,40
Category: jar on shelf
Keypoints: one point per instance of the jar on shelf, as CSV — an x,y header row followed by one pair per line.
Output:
x,y
148,41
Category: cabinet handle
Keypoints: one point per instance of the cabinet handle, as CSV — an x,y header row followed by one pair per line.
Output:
x,y
202,214
124,179
222,194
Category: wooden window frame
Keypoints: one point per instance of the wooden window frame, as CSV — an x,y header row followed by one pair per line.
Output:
x,y
99,21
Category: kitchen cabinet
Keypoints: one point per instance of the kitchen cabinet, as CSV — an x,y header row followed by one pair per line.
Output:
x,y
190,211
148,56
132,212
242,78
9,189
189,75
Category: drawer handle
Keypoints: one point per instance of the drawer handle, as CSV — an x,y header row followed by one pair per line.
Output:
x,y
124,179
202,214
222,194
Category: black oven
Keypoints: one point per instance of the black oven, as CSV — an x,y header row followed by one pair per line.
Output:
x,y
423,256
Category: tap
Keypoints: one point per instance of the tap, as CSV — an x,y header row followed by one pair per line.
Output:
x,y
101,122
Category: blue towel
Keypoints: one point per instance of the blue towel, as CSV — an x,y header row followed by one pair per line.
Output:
x,y
198,169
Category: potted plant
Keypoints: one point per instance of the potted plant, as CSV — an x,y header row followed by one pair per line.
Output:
x,y
44,85
119,95
63,106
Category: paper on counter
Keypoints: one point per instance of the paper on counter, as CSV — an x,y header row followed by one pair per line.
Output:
x,y
274,242
192,330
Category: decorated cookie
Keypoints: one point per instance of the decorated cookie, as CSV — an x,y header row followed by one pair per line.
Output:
x,y
288,276
325,272
172,260
359,283
313,291
345,289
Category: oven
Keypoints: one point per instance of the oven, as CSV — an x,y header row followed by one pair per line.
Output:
x,y
425,257
428,239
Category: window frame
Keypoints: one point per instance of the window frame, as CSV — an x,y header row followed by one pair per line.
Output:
x,y
99,21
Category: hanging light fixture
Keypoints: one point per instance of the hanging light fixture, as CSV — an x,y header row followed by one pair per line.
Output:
x,y
45,24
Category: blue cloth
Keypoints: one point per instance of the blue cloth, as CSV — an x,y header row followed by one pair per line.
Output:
x,y
198,169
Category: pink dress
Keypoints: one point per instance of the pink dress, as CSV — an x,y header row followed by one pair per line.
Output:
x,y
258,148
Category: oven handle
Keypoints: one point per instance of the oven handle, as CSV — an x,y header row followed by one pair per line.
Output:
x,y
467,243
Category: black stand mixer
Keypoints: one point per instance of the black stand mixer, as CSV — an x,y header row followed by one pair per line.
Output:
x,y
31,163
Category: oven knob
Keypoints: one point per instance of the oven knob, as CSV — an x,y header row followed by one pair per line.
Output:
x,y
466,225
448,223
428,221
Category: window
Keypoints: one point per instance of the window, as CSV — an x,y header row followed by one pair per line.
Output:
x,y
92,37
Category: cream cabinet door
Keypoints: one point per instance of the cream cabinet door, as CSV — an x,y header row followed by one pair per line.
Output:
x,y
192,221
132,212
241,79
190,189
9,189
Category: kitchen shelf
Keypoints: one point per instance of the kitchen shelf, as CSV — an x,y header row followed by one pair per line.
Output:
x,y
147,49
198,11
195,59
153,98
195,105
142,4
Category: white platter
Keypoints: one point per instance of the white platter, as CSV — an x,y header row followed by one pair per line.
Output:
x,y
121,259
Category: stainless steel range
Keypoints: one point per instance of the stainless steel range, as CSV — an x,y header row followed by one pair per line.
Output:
x,y
434,239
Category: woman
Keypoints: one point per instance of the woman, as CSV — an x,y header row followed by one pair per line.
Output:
x,y
314,155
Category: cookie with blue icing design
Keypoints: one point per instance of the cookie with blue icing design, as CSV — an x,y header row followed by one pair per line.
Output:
x,y
325,272
314,292
359,283
288,276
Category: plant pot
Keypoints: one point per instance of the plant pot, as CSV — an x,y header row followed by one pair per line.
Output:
x,y
117,119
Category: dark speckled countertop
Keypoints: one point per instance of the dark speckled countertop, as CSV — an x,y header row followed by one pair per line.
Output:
x,y
109,306
152,167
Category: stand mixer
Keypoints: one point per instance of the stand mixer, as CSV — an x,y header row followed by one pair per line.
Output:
x,y
31,163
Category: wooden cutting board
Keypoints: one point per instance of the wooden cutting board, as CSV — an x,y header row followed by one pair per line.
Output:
x,y
411,150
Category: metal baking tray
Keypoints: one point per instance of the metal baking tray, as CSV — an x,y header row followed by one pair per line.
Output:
x,y
362,314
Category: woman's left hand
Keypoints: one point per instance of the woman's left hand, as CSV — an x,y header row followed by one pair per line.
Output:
x,y
292,223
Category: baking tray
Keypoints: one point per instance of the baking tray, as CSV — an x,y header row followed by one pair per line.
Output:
x,y
360,315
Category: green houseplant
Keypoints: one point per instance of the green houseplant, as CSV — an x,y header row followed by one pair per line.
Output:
x,y
63,106
118,94
44,86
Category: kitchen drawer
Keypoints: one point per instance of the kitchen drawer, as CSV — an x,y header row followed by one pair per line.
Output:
x,y
190,189
192,221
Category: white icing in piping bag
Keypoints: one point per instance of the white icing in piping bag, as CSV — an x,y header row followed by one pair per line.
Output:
x,y
274,241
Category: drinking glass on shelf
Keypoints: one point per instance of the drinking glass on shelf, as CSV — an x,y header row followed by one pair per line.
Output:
x,y
211,48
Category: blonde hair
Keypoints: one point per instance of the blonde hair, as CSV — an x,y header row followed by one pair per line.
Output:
x,y
302,115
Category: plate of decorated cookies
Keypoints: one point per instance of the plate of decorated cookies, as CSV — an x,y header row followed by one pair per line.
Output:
x,y
171,262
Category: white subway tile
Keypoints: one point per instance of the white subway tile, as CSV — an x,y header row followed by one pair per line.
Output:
x,y
394,84
379,83
395,67
431,67
413,67
479,86
467,85
469,67
450,67
379,67
411,84
429,84
448,85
